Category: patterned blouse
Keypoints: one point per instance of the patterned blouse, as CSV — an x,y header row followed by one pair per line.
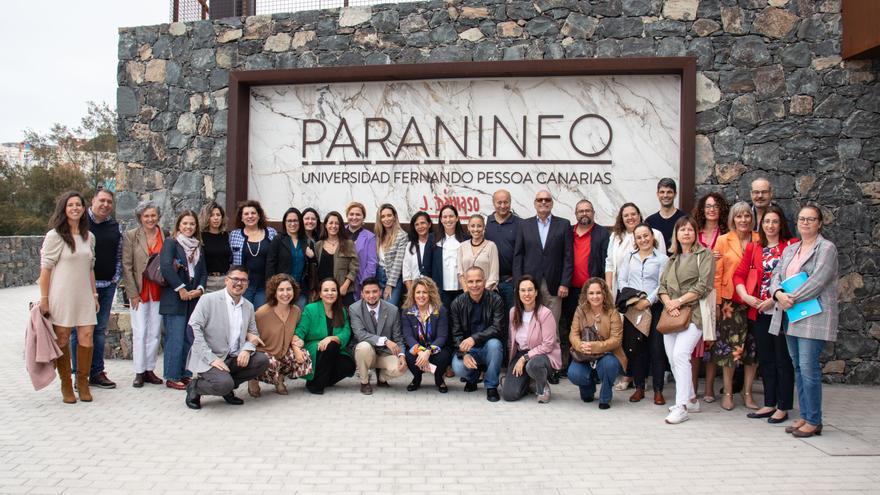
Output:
x,y
769,259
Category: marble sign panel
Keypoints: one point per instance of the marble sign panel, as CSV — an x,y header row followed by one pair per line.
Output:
x,y
421,144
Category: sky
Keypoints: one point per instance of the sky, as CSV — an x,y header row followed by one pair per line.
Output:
x,y
58,54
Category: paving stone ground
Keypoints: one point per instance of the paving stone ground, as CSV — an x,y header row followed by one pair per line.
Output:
x,y
146,441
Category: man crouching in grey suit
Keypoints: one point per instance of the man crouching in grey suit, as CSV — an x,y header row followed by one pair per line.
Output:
x,y
375,326
223,352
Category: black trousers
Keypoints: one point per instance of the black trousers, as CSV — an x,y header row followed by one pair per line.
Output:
x,y
441,360
775,362
332,367
647,353
219,382
569,306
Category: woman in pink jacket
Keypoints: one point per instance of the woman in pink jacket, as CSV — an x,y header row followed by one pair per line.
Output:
x,y
534,345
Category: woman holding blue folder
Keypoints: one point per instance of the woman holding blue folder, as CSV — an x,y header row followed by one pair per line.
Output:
x,y
816,257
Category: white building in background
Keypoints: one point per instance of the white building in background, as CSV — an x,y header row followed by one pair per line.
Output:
x,y
17,154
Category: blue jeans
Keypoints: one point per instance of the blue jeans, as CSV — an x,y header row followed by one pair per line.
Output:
x,y
581,374
302,300
489,355
175,347
396,292
105,300
807,375
256,296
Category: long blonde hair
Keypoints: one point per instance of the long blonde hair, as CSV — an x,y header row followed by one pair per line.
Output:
x,y
385,237
433,293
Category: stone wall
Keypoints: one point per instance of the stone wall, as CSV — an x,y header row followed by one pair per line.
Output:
x,y
19,260
774,98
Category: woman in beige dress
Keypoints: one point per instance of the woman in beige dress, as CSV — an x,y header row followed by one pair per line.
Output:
x,y
67,289
478,252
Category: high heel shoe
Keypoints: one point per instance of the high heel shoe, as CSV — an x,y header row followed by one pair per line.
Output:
x,y
748,402
726,398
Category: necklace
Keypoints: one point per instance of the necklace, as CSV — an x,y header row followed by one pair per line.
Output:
x,y
480,244
253,254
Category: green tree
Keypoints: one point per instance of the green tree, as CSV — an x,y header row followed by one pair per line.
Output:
x,y
67,159
83,146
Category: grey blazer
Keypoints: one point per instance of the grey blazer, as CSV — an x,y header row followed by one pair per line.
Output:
x,y
363,329
821,268
210,326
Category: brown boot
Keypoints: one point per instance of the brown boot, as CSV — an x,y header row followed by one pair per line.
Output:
x,y
83,365
254,388
62,364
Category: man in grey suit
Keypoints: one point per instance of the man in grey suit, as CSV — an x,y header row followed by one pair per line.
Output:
x,y
225,335
375,328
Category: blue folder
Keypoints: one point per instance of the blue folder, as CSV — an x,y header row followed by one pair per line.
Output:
x,y
803,309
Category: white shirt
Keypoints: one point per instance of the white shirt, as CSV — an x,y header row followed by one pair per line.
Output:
x,y
233,309
522,333
450,247
411,262
375,309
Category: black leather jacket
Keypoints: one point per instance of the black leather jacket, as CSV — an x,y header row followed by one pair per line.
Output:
x,y
460,319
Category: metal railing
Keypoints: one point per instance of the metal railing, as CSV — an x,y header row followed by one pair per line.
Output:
x,y
194,10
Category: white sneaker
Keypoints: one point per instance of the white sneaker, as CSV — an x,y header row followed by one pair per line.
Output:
x,y
677,415
693,406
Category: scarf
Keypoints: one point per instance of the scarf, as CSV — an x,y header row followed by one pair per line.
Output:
x,y
190,247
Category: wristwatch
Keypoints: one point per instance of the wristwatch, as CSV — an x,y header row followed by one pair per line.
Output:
x,y
526,357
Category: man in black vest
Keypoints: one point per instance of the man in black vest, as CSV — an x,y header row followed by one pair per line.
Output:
x,y
108,271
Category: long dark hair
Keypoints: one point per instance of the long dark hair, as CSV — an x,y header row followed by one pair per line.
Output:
x,y
58,220
316,234
301,232
345,245
413,235
619,228
518,307
440,233
338,319
784,231
261,223
205,216
699,212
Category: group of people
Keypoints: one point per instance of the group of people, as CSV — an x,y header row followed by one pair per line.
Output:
x,y
327,299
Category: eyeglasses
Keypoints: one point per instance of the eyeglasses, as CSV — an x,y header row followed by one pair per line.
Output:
x,y
711,207
807,219
543,200
583,212
238,281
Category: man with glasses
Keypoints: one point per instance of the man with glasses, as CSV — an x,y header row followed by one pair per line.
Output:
x,y
589,246
762,198
225,335
543,250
